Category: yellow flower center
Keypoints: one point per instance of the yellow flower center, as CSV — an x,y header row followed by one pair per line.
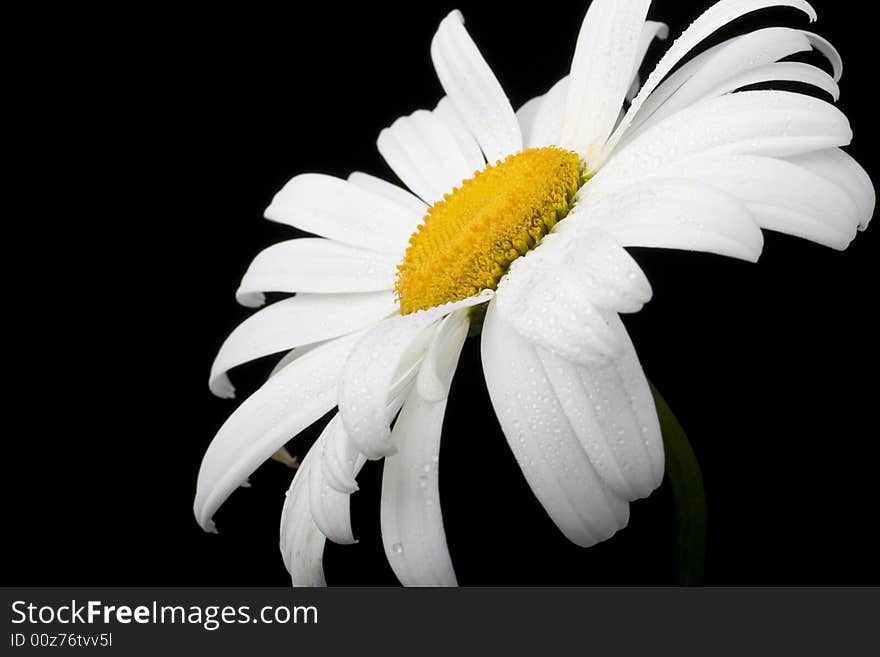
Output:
x,y
467,241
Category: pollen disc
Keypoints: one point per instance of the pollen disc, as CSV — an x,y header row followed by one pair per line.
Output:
x,y
466,242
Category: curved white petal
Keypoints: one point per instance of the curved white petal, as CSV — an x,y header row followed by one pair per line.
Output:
x,y
542,440
556,294
412,523
782,196
650,30
315,265
765,46
557,314
390,191
340,458
771,123
473,89
339,210
841,169
611,410
370,372
713,19
667,89
827,49
331,508
366,381
301,542
293,322
425,155
605,59
730,59
672,214
611,277
468,146
286,404
781,72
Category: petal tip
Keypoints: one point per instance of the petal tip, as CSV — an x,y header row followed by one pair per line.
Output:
x,y
250,299
221,386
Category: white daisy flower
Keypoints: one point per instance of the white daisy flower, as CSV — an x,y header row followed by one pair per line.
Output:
x,y
388,293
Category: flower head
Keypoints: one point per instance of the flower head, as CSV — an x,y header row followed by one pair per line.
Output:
x,y
516,224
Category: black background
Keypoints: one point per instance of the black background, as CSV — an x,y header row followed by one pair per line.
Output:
x,y
153,140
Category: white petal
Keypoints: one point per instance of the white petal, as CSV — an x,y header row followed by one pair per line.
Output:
x,y
547,124
371,370
827,49
842,170
425,155
293,322
339,458
713,19
468,146
782,72
291,356
730,59
612,413
390,191
605,59
754,49
673,214
473,89
634,86
554,296
650,30
541,117
546,305
771,123
302,543
412,524
542,440
781,195
641,399
366,381
667,89
315,265
331,509
342,211
607,272
435,373
526,115
285,405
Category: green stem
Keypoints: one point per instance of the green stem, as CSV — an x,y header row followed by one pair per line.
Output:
x,y
686,480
